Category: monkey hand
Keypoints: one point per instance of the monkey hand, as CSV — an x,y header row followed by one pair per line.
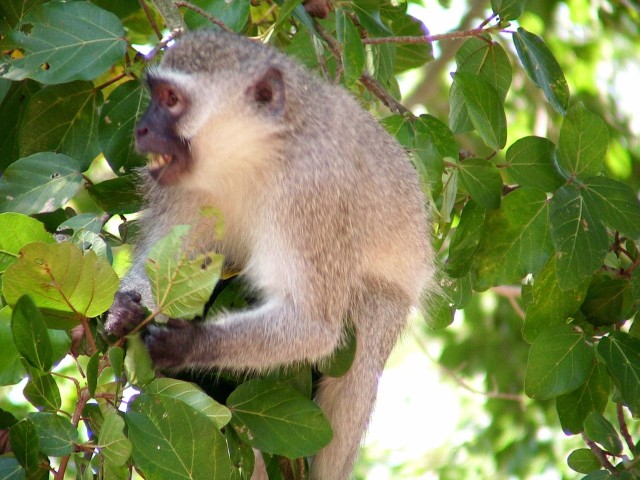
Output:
x,y
126,313
169,345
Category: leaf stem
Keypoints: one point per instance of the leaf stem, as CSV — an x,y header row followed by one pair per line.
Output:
x,y
600,455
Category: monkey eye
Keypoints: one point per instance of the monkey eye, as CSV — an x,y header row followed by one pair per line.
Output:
x,y
168,97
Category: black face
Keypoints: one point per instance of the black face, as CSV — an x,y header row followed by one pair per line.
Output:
x,y
169,154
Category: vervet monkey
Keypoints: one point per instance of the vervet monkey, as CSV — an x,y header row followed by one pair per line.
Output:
x,y
324,215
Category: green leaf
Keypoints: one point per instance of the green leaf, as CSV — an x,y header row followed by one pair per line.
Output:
x,y
543,69
440,313
408,55
40,183
485,109
482,180
583,142
275,418
465,240
580,239
286,9
339,363
573,408
12,110
65,42
63,119
25,444
508,9
193,396
172,440
233,13
559,362
42,392
600,430
181,285
352,48
532,163
114,446
621,352
550,305
609,300
117,124
11,368
57,433
117,196
615,203
18,231
137,362
116,359
583,460
92,373
488,60
523,245
30,334
61,277
10,469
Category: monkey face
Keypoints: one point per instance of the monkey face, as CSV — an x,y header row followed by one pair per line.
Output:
x,y
157,135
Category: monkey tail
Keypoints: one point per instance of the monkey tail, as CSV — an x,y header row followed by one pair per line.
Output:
x,y
379,315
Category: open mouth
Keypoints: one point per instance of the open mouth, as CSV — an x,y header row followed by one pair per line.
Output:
x,y
157,161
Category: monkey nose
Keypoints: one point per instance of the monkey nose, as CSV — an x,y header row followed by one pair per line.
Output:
x,y
142,131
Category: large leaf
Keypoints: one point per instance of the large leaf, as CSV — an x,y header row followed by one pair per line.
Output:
x,y
432,144
19,230
275,418
117,124
170,439
508,9
63,119
583,460
411,55
532,163
233,13
61,277
485,108
42,392
609,300
40,183
584,138
615,203
543,68
580,239
12,110
114,445
573,408
560,361
192,396
516,239
181,285
550,305
65,41
57,433
621,353
117,195
482,180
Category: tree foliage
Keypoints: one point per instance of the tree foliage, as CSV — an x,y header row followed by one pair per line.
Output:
x,y
548,213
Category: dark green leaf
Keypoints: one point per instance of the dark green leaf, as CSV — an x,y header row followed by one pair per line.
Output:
x,y
508,9
276,419
137,362
172,440
573,408
117,121
485,109
286,9
532,163
542,68
63,119
42,392
584,138
600,430
411,55
523,245
57,433
193,396
621,353
560,361
10,469
11,369
459,290
550,305
116,358
488,60
465,240
62,277
583,460
440,312
482,180
92,372
459,120
608,300
580,239
40,183
117,196
352,48
614,203
25,444
30,334
12,111
66,41
233,13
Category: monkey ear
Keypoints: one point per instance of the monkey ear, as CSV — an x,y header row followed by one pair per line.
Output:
x,y
268,91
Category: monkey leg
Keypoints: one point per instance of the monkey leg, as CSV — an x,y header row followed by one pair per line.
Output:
x,y
347,401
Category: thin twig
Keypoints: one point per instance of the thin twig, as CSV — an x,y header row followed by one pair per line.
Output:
x,y
152,21
624,429
205,14
163,43
511,294
385,97
474,32
600,455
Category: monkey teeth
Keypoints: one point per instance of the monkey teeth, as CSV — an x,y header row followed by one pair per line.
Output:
x,y
157,161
